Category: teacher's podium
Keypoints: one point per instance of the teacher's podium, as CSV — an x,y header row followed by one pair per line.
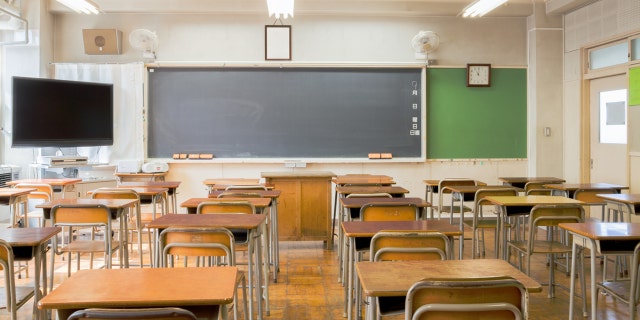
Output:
x,y
304,205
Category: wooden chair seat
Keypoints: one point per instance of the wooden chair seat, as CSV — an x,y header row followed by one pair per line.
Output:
x,y
90,246
552,247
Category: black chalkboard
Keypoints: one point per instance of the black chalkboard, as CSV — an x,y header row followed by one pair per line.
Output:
x,y
270,112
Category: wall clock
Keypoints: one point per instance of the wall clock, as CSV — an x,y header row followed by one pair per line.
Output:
x,y
478,75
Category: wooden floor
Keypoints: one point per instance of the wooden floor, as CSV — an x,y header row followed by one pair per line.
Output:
x,y
308,288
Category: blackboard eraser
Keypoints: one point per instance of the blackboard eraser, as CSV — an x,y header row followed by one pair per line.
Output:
x,y
194,156
206,156
386,156
176,156
183,156
374,156
179,156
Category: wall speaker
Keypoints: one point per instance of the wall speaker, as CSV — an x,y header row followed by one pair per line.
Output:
x,y
102,41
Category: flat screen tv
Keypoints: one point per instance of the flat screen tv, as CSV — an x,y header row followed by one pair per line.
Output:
x,y
61,113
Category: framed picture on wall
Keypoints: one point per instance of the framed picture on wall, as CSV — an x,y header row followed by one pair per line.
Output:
x,y
277,42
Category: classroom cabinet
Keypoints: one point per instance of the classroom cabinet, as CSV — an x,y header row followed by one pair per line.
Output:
x,y
304,205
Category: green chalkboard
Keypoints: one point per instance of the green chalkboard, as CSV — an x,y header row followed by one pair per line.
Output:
x,y
476,122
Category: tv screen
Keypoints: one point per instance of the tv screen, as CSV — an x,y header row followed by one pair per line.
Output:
x,y
61,113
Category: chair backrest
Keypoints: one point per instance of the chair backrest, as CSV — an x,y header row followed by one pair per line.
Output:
x,y
81,214
550,216
379,211
161,313
115,193
454,182
197,242
588,196
247,187
409,245
239,194
538,186
493,298
43,193
207,207
481,194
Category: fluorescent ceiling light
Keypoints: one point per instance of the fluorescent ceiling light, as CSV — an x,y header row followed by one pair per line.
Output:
x,y
481,7
81,6
279,8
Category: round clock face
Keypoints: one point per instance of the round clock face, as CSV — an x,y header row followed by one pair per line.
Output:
x,y
478,75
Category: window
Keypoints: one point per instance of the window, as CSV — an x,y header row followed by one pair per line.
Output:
x,y
609,56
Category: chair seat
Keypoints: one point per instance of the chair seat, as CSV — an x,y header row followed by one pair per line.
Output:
x,y
540,246
88,246
486,223
23,294
456,209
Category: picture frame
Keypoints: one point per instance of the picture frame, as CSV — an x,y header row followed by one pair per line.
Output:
x,y
277,42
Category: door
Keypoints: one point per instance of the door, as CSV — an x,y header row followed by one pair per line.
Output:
x,y
608,133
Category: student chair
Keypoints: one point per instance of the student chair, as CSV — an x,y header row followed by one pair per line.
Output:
x,y
401,246
444,191
16,296
43,193
625,290
555,240
159,313
496,298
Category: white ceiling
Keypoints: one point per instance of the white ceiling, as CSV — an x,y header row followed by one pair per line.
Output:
x,y
513,8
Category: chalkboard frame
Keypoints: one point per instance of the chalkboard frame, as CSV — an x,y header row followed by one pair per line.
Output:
x,y
419,68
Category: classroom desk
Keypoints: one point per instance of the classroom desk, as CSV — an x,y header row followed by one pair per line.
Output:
x,y
59,185
354,230
360,180
117,207
520,205
622,203
352,206
172,187
467,193
253,223
204,291
27,244
520,182
141,176
13,198
432,187
616,238
274,254
394,278
191,204
568,189
149,195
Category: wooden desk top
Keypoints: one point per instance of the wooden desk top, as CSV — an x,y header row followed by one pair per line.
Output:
x,y
110,203
143,287
358,202
143,191
363,180
362,229
14,192
232,181
257,202
232,221
263,193
371,189
524,180
576,186
140,174
473,189
628,198
152,184
53,182
605,230
530,200
298,174
28,237
394,278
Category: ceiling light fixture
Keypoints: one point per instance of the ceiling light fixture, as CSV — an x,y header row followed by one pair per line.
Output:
x,y
280,8
481,7
81,6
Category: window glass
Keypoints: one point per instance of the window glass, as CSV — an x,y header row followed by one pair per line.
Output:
x,y
608,56
613,116
635,49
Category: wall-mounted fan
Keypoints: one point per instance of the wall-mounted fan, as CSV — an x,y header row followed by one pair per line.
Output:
x,y
145,41
424,43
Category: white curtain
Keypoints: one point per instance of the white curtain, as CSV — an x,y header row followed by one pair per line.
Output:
x,y
128,104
